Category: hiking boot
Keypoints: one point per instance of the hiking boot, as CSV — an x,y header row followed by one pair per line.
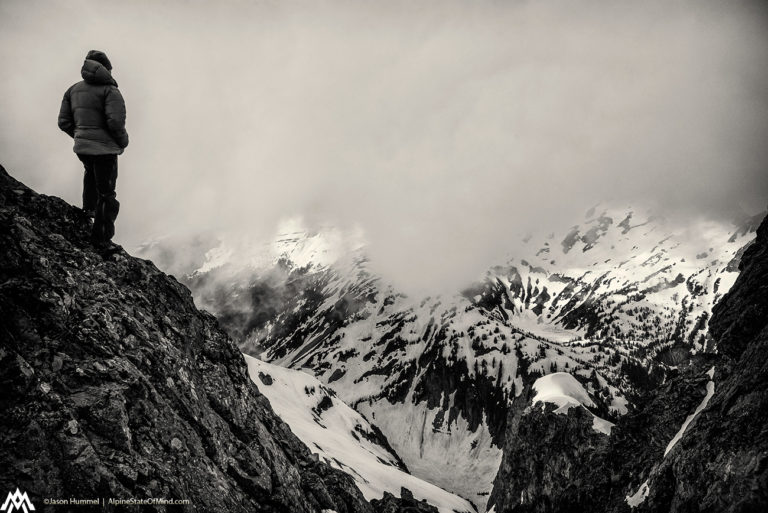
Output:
x,y
107,248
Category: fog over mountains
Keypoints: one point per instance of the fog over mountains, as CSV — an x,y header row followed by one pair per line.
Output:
x,y
443,128
616,304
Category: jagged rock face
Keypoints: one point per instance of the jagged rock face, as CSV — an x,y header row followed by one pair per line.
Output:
x,y
720,461
555,452
115,385
743,313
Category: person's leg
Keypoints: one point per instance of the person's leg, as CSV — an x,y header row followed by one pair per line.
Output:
x,y
107,206
90,195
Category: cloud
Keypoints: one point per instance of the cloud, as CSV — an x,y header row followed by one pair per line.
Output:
x,y
443,129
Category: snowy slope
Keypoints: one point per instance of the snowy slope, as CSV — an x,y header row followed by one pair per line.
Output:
x,y
622,277
341,436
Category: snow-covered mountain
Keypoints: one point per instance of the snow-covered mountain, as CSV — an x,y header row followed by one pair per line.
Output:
x,y
613,301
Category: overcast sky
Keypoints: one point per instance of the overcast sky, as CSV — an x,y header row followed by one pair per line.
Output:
x,y
440,128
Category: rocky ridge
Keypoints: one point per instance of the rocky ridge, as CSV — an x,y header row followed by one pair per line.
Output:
x,y
116,385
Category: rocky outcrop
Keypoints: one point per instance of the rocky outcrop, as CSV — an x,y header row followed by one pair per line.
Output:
x,y
406,503
115,385
559,462
545,452
742,314
720,463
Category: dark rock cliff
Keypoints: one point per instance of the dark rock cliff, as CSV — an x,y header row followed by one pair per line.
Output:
x,y
721,463
558,463
545,457
115,385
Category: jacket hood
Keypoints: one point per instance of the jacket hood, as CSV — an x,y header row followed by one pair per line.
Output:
x,y
99,56
94,72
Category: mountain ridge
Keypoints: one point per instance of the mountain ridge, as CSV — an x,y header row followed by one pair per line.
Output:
x,y
117,386
618,301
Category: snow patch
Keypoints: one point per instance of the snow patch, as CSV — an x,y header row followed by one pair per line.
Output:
x,y
451,455
639,496
699,408
536,325
601,425
561,389
618,403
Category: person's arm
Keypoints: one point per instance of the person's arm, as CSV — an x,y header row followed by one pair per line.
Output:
x,y
114,109
66,119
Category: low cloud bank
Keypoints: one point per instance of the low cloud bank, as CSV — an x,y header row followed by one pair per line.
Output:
x,y
441,129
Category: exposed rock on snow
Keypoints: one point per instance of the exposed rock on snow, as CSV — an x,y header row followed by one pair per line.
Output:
x,y
408,504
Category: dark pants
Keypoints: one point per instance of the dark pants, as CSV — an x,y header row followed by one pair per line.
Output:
x,y
99,194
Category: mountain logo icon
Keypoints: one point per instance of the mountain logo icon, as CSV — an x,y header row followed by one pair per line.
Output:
x,y
17,501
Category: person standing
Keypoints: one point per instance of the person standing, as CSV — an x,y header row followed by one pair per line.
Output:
x,y
93,114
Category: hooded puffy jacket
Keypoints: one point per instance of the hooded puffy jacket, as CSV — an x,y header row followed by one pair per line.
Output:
x,y
93,112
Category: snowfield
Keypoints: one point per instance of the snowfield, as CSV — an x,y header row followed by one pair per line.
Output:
x,y
444,456
341,436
